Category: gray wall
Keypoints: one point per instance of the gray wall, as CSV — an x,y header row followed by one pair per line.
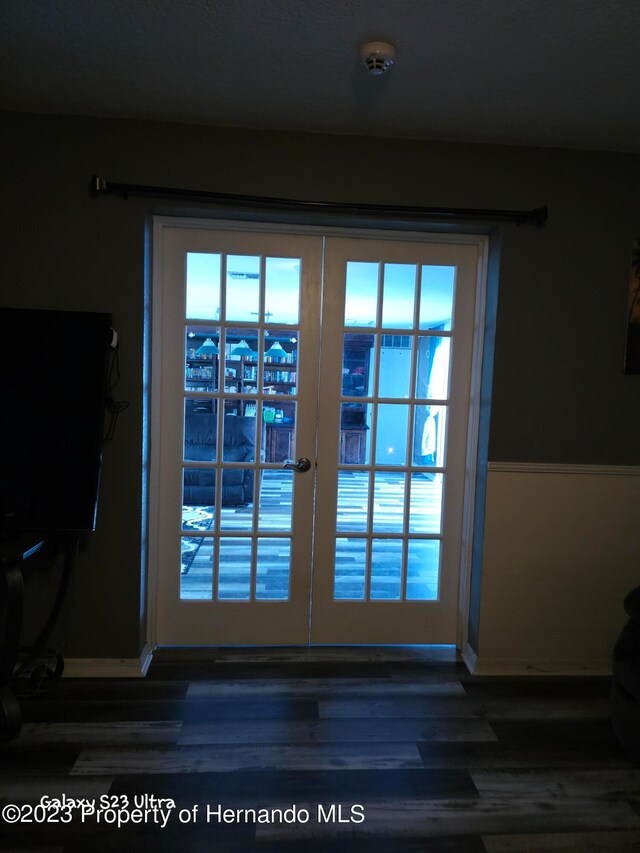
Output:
x,y
559,394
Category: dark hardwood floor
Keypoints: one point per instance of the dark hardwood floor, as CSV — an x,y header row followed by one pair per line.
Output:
x,y
438,760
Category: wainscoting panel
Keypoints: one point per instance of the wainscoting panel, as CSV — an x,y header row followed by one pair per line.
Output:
x,y
561,551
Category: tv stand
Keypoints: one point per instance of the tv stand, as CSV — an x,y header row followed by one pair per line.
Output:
x,y
13,552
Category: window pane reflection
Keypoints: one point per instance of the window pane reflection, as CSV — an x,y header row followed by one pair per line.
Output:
x,y
243,288
280,361
355,433
388,502
399,296
357,365
276,500
273,569
361,302
432,374
386,569
240,362
282,290
395,366
436,297
353,501
423,570
349,578
234,572
239,436
279,417
237,499
196,568
200,430
201,358
430,434
198,498
203,286
425,512
391,434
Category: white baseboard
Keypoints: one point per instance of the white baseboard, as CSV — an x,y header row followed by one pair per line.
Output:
x,y
470,658
109,667
513,666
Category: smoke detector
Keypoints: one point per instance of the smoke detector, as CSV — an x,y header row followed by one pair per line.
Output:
x,y
378,56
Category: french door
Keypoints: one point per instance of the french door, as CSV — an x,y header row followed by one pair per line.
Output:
x,y
311,411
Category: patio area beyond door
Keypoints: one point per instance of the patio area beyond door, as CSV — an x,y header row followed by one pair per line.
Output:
x,y
311,411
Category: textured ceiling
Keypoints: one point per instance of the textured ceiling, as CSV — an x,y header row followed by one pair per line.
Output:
x,y
538,72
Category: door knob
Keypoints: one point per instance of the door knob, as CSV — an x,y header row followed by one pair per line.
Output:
x,y
300,466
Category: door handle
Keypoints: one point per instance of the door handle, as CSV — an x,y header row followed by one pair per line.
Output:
x,y
299,467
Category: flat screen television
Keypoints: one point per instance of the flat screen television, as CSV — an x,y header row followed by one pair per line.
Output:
x,y
53,387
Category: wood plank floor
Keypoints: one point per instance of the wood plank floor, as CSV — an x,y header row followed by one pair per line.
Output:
x,y
437,759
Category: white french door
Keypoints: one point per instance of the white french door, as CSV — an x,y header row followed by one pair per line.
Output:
x,y
311,400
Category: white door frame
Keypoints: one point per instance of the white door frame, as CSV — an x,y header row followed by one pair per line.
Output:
x,y
162,222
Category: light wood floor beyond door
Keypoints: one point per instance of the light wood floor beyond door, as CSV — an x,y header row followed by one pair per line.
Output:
x,y
438,759
311,414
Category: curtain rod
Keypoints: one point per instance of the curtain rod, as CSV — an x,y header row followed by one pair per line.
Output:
x,y
537,216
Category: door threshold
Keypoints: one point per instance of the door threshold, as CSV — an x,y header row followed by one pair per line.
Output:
x,y
284,654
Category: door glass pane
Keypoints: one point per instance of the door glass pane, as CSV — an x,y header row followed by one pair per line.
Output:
x,y
436,297
236,501
386,569
361,305
201,358
282,290
239,431
395,366
425,511
351,561
355,432
353,501
280,361
200,430
240,365
279,418
198,498
273,569
391,434
398,296
196,570
432,373
234,572
243,288
423,569
430,432
389,502
276,500
203,286
246,372
357,365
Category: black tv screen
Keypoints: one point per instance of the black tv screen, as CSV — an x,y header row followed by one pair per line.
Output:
x,y
53,386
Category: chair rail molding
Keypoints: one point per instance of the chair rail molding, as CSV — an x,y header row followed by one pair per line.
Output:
x,y
562,468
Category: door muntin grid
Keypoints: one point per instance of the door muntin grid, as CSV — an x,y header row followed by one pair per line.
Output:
x,y
240,405
395,393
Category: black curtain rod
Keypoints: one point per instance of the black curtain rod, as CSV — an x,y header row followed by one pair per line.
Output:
x,y
537,216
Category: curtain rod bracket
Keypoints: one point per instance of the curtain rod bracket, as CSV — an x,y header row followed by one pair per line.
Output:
x,y
537,216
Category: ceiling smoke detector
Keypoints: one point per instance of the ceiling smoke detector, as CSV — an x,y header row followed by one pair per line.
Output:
x,y
378,56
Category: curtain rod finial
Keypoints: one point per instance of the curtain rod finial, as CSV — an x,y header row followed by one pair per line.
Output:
x,y
98,185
